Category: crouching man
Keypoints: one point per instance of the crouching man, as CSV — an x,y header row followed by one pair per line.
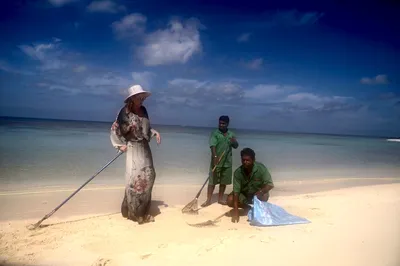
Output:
x,y
251,178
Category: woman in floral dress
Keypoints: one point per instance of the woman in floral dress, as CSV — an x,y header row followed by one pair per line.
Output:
x,y
131,133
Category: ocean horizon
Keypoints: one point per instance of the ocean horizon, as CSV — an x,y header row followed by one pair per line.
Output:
x,y
39,152
249,130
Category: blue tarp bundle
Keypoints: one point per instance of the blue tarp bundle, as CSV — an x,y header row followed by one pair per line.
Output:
x,y
267,214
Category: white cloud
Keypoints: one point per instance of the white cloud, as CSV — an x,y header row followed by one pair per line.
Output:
x,y
179,100
36,51
231,97
176,44
311,100
60,85
268,91
188,86
255,64
143,78
69,90
379,79
53,56
303,96
223,91
273,97
103,84
244,37
202,92
294,18
4,66
60,3
47,53
107,79
105,6
130,25
282,19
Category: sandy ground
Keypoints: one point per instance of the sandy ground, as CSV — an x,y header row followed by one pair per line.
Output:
x,y
349,226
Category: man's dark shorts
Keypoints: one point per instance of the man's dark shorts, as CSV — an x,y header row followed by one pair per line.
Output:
x,y
221,176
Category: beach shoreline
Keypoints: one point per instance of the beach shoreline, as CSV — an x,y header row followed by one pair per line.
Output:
x,y
346,228
35,202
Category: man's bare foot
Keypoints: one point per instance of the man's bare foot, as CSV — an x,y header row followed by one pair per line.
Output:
x,y
205,204
222,202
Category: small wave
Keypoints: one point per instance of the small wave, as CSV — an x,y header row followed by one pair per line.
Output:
x,y
395,140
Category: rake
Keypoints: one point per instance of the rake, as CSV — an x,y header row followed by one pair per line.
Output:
x,y
209,223
192,207
36,225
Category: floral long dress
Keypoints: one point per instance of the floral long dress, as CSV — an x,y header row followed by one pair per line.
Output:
x,y
135,132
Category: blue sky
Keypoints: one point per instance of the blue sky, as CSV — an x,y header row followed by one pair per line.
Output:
x,y
289,66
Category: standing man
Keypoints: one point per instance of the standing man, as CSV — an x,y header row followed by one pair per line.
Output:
x,y
221,140
250,179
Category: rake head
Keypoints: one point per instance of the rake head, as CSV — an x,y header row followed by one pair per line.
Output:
x,y
209,223
191,207
32,226
37,225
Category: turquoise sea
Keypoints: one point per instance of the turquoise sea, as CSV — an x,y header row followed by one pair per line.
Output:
x,y
37,152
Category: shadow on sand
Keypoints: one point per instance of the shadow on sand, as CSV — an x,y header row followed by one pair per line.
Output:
x,y
154,211
214,200
155,207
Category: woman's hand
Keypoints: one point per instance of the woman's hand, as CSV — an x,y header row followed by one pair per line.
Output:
x,y
157,135
122,148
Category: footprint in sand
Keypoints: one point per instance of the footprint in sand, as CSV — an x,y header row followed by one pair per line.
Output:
x,y
102,262
145,256
316,212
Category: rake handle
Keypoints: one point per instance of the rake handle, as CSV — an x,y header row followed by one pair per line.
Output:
x,y
76,191
215,166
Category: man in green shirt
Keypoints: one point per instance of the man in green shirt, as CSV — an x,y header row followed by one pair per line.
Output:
x,y
222,140
251,178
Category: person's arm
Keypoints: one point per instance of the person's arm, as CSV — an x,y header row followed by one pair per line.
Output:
x,y
213,143
117,140
153,132
265,189
268,184
236,205
237,186
234,142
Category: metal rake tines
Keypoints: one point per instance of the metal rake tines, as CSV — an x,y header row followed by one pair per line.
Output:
x,y
192,207
205,224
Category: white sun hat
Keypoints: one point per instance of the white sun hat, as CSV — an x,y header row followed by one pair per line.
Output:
x,y
136,89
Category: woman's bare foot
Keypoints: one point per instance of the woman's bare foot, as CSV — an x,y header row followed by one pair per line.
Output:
x,y
140,220
131,216
149,219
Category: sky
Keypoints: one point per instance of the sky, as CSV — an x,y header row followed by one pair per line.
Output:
x,y
303,66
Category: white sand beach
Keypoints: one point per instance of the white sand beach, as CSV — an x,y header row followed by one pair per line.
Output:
x,y
358,225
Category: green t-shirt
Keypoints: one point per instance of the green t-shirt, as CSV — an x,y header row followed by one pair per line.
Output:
x,y
250,185
222,143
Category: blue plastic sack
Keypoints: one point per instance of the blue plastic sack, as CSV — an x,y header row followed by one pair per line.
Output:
x,y
267,214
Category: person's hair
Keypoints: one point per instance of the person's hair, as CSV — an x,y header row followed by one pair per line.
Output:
x,y
224,118
248,152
